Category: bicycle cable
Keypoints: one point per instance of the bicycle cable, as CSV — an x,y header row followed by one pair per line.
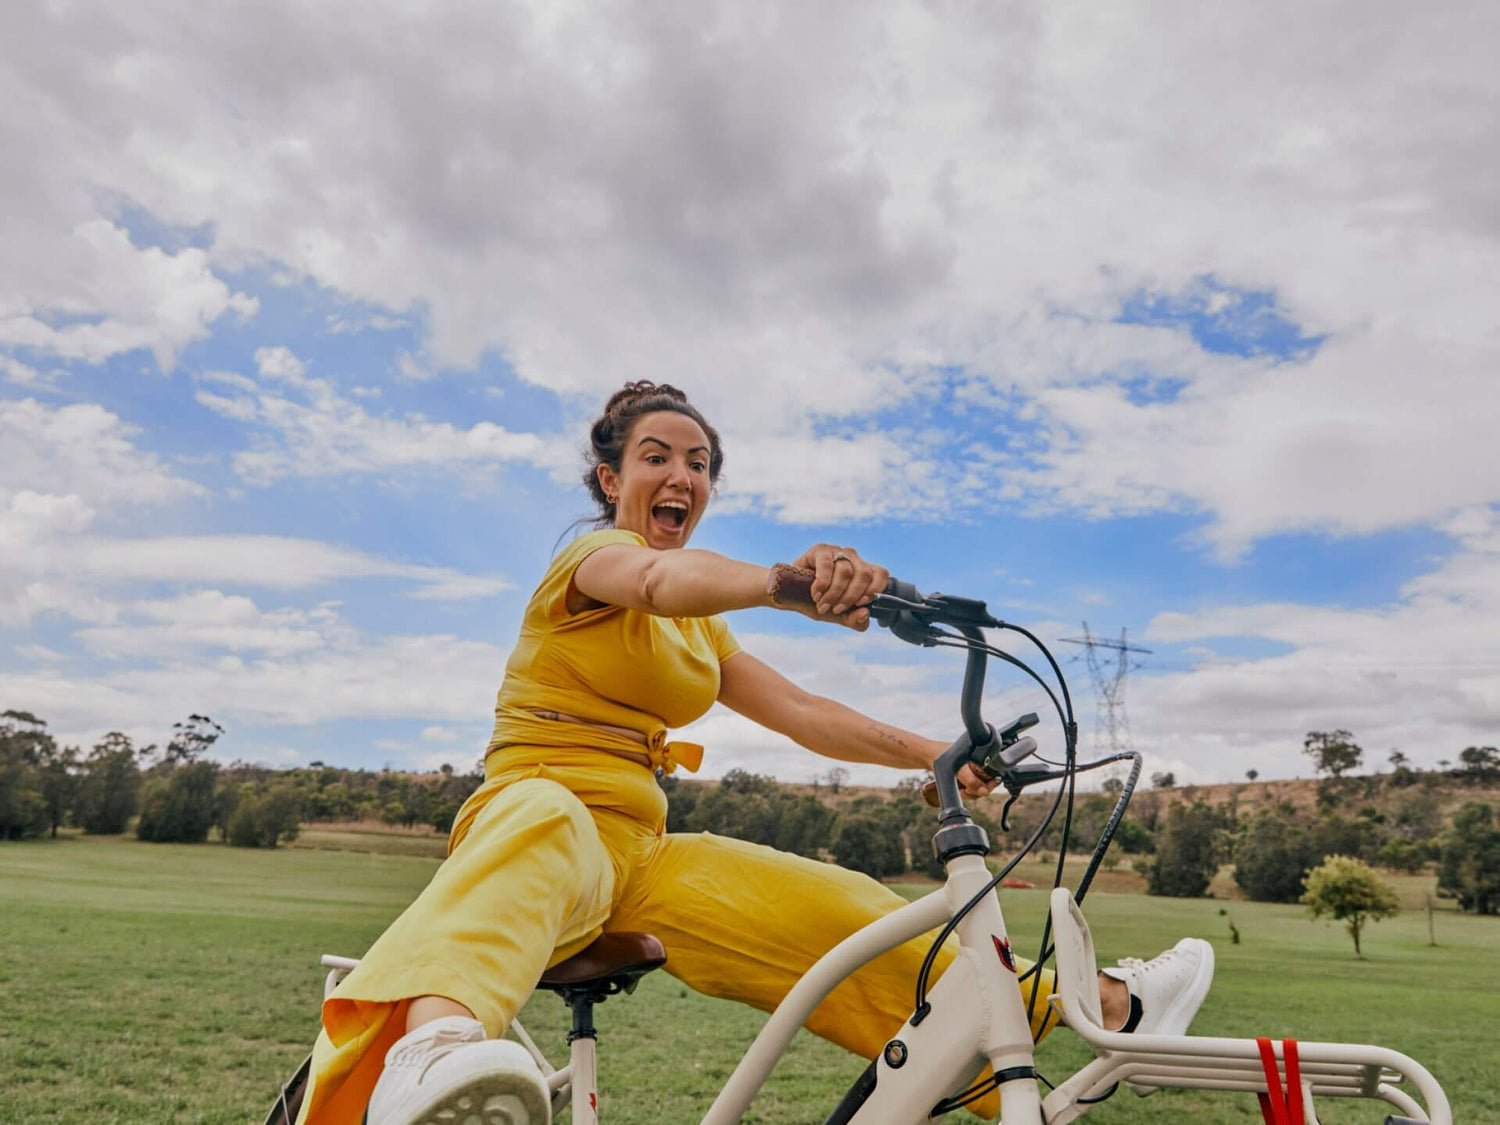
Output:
x,y
1071,769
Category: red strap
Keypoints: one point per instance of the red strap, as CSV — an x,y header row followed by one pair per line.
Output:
x,y
1293,1080
1276,1107
1273,1102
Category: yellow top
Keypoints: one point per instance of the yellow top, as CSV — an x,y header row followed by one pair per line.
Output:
x,y
607,665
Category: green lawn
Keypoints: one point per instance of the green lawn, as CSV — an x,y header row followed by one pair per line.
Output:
x,y
156,983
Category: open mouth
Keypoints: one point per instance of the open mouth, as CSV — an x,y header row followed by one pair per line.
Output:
x,y
670,515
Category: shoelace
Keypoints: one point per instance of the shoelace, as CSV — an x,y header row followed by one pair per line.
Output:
x,y
1143,966
444,1041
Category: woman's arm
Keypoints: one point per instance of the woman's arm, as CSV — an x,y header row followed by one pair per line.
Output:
x,y
690,583
765,696
683,583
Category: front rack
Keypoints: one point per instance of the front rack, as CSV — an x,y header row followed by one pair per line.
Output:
x,y
1201,1062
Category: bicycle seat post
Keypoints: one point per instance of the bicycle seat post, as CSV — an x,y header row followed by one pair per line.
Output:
x,y
613,964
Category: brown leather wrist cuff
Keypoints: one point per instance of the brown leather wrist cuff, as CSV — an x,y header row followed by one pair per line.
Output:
x,y
790,586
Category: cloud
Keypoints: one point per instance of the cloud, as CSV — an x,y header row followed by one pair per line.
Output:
x,y
907,204
430,678
1419,674
206,622
56,553
116,297
303,427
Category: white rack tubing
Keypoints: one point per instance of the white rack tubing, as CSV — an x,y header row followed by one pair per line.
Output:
x,y
1368,1075
1204,1048
1103,1072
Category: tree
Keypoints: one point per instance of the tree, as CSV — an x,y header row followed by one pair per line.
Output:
x,y
23,742
1469,866
1333,752
1403,855
1350,891
1402,775
1164,780
265,816
1188,847
1251,775
191,739
59,782
805,826
1481,764
836,777
863,841
110,788
1271,855
181,806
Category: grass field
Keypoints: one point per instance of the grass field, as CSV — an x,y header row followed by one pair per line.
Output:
x,y
164,983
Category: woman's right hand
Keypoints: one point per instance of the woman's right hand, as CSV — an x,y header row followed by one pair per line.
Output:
x,y
842,585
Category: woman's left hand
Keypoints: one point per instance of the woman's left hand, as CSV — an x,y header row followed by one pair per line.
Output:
x,y
972,785
843,580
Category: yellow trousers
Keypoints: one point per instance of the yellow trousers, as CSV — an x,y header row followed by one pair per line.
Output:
x,y
544,857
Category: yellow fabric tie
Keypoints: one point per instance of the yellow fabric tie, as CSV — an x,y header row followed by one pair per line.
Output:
x,y
667,756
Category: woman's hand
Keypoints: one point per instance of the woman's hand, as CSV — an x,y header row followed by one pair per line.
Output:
x,y
971,785
843,584
970,782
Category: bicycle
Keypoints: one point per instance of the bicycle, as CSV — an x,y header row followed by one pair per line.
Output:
x,y
973,1018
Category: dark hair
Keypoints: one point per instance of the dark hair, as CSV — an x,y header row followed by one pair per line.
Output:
x,y
610,430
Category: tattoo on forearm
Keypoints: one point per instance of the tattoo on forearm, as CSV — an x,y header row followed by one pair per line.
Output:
x,y
888,735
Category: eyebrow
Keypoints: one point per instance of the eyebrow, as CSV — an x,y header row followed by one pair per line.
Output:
x,y
668,448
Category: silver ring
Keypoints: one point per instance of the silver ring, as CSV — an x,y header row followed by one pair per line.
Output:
x,y
841,557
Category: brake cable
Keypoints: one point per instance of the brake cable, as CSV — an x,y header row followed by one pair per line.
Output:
x,y
1069,775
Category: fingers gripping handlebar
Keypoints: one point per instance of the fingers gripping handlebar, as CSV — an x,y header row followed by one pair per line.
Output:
x,y
914,618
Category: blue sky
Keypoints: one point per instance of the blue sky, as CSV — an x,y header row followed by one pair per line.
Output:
x,y
293,380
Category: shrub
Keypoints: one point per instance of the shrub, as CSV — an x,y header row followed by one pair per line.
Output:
x,y
263,818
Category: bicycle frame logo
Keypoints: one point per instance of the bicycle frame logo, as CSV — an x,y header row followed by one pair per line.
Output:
x,y
1002,947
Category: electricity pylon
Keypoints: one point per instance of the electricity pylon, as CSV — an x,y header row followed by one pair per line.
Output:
x,y
1108,675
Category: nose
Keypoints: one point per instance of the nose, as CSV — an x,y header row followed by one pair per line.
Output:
x,y
677,476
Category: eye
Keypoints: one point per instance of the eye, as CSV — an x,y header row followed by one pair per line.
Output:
x,y
699,466
655,459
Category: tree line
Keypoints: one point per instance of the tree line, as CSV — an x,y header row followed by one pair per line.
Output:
x,y
1178,841
176,794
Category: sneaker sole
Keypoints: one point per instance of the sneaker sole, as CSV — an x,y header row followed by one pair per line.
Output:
x,y
493,1098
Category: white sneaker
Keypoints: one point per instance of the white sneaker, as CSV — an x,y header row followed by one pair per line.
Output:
x,y
447,1073
1167,990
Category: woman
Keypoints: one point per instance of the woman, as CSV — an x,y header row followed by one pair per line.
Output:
x,y
621,641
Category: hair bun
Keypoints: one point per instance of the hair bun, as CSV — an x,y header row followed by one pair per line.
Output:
x,y
641,388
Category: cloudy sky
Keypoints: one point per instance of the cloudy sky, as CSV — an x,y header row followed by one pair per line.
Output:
x,y
1174,318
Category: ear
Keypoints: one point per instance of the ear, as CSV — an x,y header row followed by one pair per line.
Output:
x,y
609,480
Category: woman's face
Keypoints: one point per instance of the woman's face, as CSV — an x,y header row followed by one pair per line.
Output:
x,y
662,487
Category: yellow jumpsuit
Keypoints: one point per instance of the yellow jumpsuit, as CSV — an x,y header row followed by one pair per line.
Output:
x,y
563,842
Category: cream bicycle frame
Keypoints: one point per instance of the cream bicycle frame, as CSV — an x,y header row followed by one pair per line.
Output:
x,y
978,1019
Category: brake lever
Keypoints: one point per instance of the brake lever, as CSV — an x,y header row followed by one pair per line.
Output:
x,y
1017,780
